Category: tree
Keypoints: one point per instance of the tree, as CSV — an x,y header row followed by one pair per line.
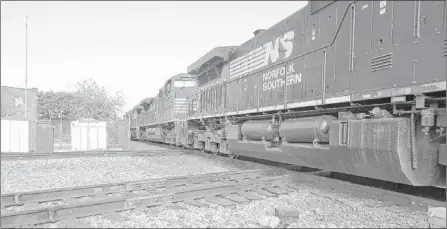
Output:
x,y
97,103
89,100
53,105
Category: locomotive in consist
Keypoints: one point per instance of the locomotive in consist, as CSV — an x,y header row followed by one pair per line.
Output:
x,y
154,118
351,87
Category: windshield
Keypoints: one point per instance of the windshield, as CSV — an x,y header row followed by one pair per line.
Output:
x,y
185,83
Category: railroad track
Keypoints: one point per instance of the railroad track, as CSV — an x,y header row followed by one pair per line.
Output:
x,y
231,185
226,189
431,200
115,153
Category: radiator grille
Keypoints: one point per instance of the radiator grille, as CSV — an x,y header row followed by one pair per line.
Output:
x,y
382,62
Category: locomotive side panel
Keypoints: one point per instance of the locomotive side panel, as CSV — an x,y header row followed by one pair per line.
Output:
x,y
298,79
314,76
381,56
431,62
243,87
404,42
266,87
328,25
296,91
340,82
402,47
255,90
364,55
232,95
362,47
272,88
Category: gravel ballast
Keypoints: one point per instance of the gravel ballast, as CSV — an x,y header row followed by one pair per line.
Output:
x,y
317,209
31,175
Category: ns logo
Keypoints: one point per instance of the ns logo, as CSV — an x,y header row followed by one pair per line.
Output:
x,y
279,48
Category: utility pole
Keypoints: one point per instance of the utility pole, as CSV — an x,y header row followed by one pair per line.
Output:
x,y
26,65
62,131
130,132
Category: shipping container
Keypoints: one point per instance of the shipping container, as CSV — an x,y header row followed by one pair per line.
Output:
x,y
88,134
16,136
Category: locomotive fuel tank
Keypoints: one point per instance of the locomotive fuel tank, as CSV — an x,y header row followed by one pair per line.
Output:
x,y
305,130
260,129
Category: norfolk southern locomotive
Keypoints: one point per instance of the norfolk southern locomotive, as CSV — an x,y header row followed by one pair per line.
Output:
x,y
351,87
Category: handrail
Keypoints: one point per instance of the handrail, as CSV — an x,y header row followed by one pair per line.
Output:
x,y
295,57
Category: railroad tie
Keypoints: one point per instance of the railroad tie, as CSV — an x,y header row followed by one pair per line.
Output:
x,y
248,195
397,199
4,210
288,189
196,203
265,193
293,186
49,199
100,197
276,191
251,178
70,200
33,206
173,206
74,223
113,216
236,198
221,201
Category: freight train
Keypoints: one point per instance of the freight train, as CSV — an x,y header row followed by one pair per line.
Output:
x,y
350,87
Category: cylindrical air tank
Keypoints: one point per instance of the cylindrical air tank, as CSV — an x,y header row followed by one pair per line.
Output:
x,y
305,130
259,129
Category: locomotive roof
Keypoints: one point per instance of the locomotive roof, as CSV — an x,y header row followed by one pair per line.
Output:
x,y
138,106
147,100
304,8
223,52
180,75
215,54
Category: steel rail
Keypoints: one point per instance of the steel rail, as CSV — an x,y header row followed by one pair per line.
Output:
x,y
290,182
21,198
60,213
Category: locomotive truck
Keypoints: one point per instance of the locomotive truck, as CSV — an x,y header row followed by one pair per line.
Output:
x,y
350,87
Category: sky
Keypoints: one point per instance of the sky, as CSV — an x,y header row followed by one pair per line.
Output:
x,y
122,45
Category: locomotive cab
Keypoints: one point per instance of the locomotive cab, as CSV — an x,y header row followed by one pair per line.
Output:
x,y
210,71
176,91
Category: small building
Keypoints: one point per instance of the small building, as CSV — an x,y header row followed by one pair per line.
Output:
x,y
13,102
